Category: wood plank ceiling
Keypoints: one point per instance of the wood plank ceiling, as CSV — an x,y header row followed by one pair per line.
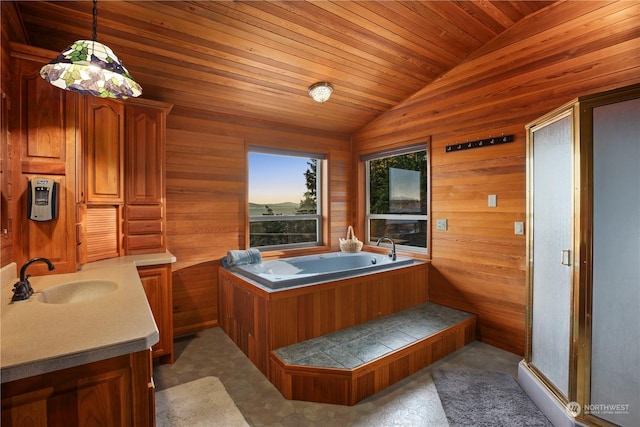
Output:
x,y
256,59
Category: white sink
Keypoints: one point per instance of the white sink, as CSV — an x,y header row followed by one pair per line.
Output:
x,y
78,291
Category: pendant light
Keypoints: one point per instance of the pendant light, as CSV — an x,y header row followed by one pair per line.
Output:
x,y
89,67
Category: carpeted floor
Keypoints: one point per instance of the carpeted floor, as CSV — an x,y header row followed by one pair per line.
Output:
x,y
479,398
200,403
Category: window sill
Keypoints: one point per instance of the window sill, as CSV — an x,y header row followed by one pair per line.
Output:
x,y
287,253
399,252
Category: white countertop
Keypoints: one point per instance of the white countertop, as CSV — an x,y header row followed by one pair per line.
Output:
x,y
39,337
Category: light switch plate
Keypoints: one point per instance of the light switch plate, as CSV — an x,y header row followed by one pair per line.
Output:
x,y
518,228
441,224
493,200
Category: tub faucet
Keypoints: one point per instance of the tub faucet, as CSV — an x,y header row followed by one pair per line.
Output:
x,y
22,290
393,246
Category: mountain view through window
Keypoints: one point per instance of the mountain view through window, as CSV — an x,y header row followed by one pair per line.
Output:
x,y
283,200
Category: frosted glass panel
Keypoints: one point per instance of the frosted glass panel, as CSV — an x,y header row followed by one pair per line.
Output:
x,y
552,234
615,357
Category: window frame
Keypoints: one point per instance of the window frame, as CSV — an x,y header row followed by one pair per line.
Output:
x,y
423,145
321,192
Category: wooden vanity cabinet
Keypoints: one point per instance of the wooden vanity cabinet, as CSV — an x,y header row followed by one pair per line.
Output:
x,y
156,281
114,392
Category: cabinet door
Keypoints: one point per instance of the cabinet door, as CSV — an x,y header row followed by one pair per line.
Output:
x,y
104,139
145,154
157,286
111,392
552,210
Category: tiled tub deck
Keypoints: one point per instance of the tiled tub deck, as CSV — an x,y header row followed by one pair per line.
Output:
x,y
346,366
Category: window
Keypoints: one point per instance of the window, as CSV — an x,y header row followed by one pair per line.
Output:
x,y
284,198
397,197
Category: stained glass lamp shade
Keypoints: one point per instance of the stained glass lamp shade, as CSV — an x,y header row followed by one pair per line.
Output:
x,y
89,67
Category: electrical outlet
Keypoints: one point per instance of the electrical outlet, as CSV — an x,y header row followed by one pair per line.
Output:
x,y
493,200
441,224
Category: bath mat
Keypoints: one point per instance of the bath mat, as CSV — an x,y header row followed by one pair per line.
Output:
x,y
472,397
200,403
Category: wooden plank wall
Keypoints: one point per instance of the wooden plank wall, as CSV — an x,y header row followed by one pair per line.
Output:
x,y
207,199
568,50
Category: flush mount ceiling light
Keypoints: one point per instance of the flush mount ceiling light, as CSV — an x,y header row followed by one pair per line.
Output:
x,y
320,92
89,67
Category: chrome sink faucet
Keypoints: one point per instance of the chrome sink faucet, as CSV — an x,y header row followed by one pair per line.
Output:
x,y
22,290
393,246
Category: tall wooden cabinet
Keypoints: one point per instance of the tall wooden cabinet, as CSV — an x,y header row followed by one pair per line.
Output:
x,y
43,142
583,176
123,187
106,155
122,198
145,221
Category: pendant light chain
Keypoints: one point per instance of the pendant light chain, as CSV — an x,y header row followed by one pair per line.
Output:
x,y
95,20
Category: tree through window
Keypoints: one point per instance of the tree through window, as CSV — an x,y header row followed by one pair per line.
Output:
x,y
397,197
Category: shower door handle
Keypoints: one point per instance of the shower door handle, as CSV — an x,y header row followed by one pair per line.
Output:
x,y
566,257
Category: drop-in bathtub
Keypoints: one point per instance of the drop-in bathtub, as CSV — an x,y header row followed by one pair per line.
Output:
x,y
309,269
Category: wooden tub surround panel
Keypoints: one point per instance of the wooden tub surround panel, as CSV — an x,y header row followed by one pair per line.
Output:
x,y
259,322
304,313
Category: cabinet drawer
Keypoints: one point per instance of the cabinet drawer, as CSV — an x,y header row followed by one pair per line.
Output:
x,y
145,241
144,212
144,227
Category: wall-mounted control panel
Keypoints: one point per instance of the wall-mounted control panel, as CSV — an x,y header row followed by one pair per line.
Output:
x,y
42,199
